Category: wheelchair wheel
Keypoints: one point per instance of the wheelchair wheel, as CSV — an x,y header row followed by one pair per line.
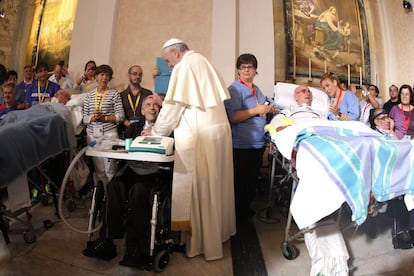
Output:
x,y
289,251
161,260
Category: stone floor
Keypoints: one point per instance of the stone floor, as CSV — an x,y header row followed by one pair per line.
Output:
x,y
57,250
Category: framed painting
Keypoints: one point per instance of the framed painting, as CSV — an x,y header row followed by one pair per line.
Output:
x,y
327,36
52,32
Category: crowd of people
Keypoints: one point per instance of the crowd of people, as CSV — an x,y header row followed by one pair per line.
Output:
x,y
218,130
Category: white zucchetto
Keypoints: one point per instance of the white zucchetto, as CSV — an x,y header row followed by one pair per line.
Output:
x,y
172,41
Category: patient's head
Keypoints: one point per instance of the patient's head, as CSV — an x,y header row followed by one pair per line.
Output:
x,y
62,96
150,108
379,118
303,95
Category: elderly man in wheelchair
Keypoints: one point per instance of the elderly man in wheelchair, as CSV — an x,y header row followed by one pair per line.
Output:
x,y
127,208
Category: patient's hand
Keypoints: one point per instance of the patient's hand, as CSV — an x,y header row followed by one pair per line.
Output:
x,y
146,132
281,128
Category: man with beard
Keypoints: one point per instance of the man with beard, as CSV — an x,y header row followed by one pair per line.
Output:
x,y
132,99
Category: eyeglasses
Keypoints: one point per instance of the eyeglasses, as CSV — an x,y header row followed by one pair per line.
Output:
x,y
248,67
136,74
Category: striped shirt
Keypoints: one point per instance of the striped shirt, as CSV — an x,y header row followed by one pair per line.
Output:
x,y
111,105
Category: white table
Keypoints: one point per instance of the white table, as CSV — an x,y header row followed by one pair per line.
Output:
x,y
125,155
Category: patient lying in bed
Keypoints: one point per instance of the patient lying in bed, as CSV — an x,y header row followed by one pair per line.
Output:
x,y
350,161
303,111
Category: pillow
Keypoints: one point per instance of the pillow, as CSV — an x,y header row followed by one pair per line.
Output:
x,y
76,99
75,104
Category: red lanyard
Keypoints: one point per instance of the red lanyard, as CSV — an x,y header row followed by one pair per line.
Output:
x,y
408,120
339,97
253,90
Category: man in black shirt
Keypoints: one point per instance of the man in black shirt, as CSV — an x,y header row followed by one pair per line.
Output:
x,y
394,99
132,99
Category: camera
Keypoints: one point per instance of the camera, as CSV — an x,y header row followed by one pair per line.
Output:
x,y
358,87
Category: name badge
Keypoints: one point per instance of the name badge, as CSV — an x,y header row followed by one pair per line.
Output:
x,y
97,130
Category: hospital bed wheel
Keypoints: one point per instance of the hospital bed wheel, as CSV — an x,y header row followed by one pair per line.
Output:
x,y
161,260
29,237
289,251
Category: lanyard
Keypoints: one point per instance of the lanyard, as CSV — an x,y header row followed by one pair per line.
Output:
x,y
98,106
41,97
253,89
134,108
408,120
338,100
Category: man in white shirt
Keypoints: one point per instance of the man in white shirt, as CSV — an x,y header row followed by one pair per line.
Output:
x,y
58,78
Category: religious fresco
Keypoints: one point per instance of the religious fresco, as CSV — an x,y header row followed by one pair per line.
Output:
x,y
52,32
327,36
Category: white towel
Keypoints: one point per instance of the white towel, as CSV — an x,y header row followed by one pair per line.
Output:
x,y
328,251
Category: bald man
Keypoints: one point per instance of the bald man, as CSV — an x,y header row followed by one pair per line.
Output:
x,y
303,110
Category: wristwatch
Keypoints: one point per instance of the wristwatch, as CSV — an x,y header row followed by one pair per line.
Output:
x,y
338,116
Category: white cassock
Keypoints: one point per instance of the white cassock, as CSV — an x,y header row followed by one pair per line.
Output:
x,y
203,186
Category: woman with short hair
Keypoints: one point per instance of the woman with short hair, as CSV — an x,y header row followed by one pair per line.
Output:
x,y
102,112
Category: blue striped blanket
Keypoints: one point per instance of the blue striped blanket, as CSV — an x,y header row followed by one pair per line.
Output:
x,y
359,162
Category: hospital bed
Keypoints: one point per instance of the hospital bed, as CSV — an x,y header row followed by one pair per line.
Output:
x,y
160,245
337,162
28,138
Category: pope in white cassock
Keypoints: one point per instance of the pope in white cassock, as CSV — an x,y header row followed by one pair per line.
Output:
x,y
202,189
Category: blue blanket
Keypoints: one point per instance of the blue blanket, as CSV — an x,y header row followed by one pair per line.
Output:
x,y
29,137
359,163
